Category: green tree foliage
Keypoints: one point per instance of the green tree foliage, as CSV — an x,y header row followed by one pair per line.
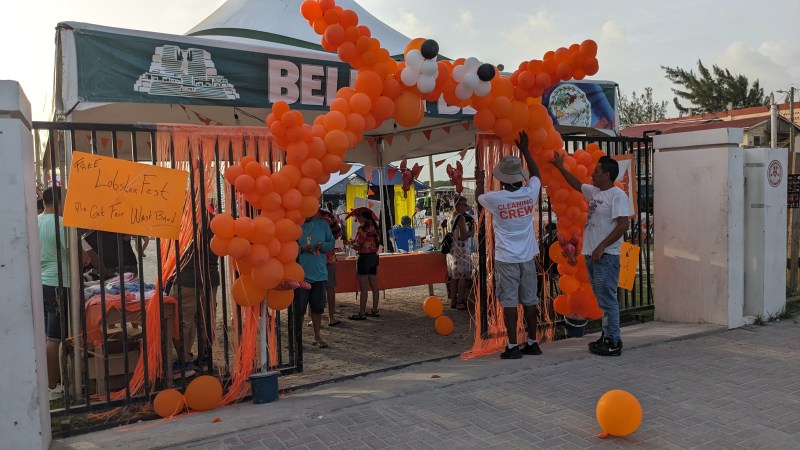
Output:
x,y
641,108
713,90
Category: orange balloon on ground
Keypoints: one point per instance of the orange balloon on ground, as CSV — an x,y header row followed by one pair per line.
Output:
x,y
169,402
618,413
444,325
278,300
432,306
203,393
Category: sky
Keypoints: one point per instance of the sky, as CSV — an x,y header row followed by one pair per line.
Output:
x,y
635,37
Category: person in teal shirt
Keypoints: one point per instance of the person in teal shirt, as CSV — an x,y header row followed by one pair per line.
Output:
x,y
315,241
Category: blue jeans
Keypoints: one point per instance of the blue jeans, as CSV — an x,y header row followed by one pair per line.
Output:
x,y
604,277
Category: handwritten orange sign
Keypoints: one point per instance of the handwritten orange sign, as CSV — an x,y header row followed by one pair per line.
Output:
x,y
628,262
124,197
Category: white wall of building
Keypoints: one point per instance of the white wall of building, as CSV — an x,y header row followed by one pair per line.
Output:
x,y
24,403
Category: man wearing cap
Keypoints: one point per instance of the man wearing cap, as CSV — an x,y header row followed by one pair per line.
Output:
x,y
515,245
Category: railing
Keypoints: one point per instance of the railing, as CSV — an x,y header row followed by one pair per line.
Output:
x,y
104,331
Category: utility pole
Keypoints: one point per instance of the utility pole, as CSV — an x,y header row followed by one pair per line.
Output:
x,y
795,241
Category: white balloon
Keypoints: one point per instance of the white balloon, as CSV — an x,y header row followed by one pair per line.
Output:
x,y
463,92
472,63
471,80
429,67
409,76
426,83
414,59
458,72
483,88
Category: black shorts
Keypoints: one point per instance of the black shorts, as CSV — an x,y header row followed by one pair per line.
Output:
x,y
367,264
52,317
313,298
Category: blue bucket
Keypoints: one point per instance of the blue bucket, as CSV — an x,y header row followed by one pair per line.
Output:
x,y
575,327
264,386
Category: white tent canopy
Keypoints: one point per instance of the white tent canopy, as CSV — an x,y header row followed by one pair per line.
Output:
x,y
280,22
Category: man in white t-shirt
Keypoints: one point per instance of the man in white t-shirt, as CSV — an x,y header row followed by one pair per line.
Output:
x,y
602,237
515,244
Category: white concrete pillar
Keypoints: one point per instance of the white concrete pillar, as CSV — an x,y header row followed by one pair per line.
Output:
x,y
699,227
24,403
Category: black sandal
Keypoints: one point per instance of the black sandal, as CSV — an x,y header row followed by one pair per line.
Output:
x,y
372,314
357,317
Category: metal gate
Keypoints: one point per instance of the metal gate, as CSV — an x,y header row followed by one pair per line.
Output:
x,y
103,332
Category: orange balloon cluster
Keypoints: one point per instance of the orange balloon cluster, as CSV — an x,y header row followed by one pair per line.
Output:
x,y
265,247
572,210
433,308
534,77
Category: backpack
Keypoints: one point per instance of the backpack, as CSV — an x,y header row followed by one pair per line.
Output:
x,y
447,241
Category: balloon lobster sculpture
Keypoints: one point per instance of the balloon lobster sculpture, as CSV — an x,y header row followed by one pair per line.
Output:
x,y
265,247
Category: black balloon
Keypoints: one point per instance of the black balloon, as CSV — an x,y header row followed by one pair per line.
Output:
x,y
429,49
486,72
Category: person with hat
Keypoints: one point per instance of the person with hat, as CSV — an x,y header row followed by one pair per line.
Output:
x,y
513,208
367,242
605,229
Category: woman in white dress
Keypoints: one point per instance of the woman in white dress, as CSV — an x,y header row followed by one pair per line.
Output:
x,y
459,260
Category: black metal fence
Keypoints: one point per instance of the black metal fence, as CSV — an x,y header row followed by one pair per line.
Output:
x,y
103,324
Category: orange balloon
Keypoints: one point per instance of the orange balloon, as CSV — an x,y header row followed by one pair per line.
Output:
x,y
222,225
279,300
253,168
274,246
238,247
556,254
288,253
383,108
361,103
331,163
337,142
169,402
618,412
232,173
270,202
245,183
246,292
264,230
244,227
280,182
414,44
267,275
295,216
561,305
286,230
259,254
263,184
443,325
334,120
219,245
369,83
311,168
203,393
432,306
309,206
293,271
484,119
568,284
567,269
291,199
308,186
408,108
316,147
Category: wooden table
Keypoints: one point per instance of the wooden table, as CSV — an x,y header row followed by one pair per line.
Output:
x,y
396,271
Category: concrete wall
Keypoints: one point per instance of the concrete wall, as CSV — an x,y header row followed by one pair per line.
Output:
x,y
699,224
765,227
24,405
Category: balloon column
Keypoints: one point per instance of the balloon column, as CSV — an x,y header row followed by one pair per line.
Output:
x,y
265,247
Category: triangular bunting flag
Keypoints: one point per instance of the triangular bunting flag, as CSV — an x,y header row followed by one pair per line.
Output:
x,y
439,163
466,125
427,134
371,142
408,137
104,141
371,192
463,153
89,137
390,171
389,139
446,130
368,173
119,143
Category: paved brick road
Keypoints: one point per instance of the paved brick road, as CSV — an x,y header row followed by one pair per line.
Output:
x,y
735,389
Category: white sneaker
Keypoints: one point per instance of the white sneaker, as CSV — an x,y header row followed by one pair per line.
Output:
x,y
57,392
